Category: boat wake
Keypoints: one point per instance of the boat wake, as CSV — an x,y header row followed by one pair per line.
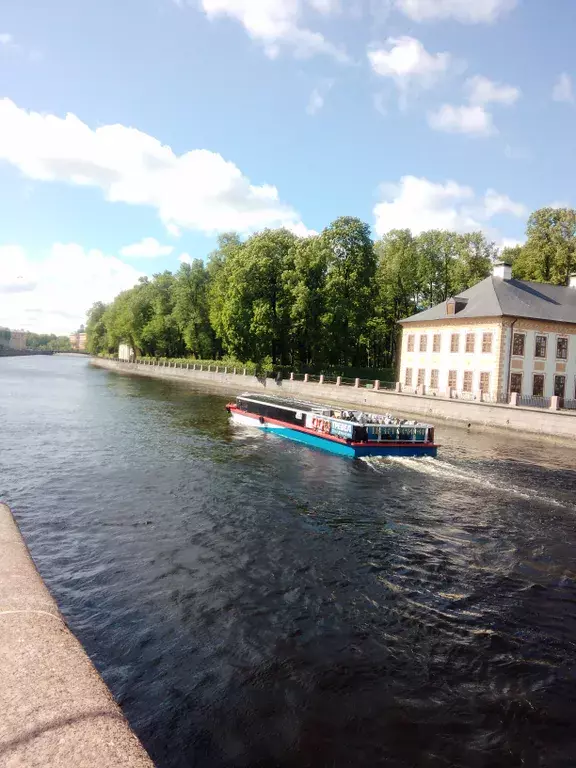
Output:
x,y
459,474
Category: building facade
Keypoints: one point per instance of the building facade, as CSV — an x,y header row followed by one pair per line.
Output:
x,y
499,337
17,340
78,341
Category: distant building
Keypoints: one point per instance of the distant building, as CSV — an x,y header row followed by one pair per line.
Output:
x,y
78,341
17,340
499,337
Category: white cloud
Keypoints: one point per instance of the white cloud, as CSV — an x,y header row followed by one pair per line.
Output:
x,y
198,190
301,230
472,120
277,23
563,90
557,204
148,248
419,204
509,242
466,11
405,61
326,6
173,230
6,39
318,97
495,204
185,258
52,295
315,102
483,91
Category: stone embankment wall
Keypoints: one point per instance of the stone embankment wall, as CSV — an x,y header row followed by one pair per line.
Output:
x,y
56,710
545,422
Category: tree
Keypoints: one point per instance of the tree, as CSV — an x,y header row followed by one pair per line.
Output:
x,y
217,268
549,255
476,256
96,329
191,309
349,288
304,284
255,314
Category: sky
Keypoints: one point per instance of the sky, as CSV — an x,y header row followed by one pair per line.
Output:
x,y
133,132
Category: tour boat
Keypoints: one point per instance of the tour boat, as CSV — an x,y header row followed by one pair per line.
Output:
x,y
349,433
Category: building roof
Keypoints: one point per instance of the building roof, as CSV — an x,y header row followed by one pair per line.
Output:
x,y
496,297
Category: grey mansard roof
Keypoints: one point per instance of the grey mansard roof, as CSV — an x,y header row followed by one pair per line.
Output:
x,y
496,297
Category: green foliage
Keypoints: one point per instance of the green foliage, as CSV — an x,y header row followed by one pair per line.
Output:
x,y
329,303
549,254
48,342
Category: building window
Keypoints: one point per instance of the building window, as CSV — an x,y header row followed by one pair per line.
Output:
x,y
470,343
484,382
562,348
518,344
452,379
434,377
468,380
410,344
408,377
487,343
437,343
423,342
455,342
540,349
421,376
538,386
560,386
516,383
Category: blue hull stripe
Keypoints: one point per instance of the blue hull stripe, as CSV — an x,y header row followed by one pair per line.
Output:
x,y
353,452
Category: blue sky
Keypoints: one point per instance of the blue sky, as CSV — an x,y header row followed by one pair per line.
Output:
x,y
194,117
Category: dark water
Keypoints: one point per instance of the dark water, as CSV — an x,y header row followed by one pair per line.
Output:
x,y
252,602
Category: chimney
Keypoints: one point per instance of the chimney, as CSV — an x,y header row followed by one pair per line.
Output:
x,y
502,270
572,283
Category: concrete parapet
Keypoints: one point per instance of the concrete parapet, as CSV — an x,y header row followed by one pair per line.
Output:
x,y
535,420
56,710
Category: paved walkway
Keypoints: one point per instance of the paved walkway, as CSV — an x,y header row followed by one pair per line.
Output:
x,y
55,710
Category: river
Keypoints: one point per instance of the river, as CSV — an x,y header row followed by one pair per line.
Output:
x,y
254,603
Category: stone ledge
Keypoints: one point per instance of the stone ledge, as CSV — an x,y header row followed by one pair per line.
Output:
x,y
56,710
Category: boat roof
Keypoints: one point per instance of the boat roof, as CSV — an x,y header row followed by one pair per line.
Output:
x,y
302,405
286,402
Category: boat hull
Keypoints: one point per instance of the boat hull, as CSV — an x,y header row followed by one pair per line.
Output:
x,y
339,447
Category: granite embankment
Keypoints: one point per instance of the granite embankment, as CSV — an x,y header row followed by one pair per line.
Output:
x,y
56,710
534,420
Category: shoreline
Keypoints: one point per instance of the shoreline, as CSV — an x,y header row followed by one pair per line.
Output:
x,y
57,709
552,425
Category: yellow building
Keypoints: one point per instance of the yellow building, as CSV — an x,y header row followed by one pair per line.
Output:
x,y
500,337
17,339
78,341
